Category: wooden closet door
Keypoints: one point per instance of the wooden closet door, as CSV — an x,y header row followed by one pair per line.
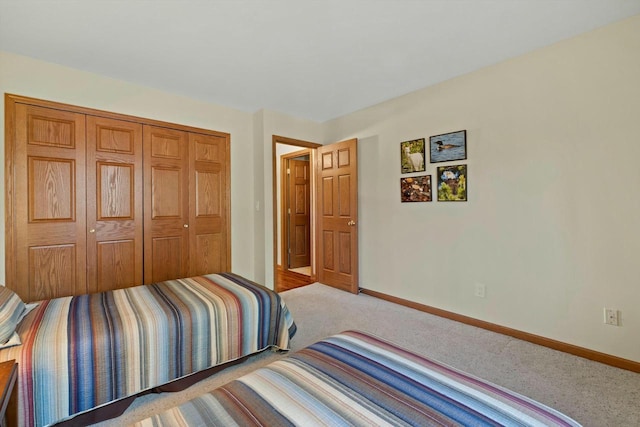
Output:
x,y
209,204
49,203
166,204
114,204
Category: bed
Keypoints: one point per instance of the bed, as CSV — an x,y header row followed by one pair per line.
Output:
x,y
78,353
357,379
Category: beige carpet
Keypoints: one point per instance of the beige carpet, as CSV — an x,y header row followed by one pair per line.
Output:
x,y
592,393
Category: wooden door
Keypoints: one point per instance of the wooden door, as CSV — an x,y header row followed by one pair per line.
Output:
x,y
49,217
166,204
114,204
209,204
299,206
337,215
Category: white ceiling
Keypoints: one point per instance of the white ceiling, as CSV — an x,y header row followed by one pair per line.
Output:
x,y
316,59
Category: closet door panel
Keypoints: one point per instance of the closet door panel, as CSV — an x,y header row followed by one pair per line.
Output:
x,y
114,204
49,203
209,190
52,271
166,190
115,267
167,253
209,248
51,189
209,201
166,204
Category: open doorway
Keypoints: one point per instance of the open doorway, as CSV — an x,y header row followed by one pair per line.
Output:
x,y
295,191
333,200
294,204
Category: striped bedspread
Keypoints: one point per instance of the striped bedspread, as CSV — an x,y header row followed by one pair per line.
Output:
x,y
84,351
356,379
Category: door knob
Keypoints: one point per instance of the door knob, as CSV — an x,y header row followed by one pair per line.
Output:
x,y
351,223
186,226
93,230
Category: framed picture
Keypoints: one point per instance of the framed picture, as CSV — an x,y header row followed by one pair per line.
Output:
x,y
412,156
452,183
448,146
415,189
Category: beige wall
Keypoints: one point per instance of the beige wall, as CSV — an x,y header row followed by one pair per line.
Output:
x,y
552,225
38,79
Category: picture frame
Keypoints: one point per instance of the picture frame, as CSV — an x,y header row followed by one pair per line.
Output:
x,y
416,189
448,147
452,183
412,156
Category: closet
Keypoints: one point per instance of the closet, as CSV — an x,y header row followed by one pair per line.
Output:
x,y
98,201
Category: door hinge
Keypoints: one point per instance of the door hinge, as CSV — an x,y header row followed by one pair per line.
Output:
x,y
289,211
288,171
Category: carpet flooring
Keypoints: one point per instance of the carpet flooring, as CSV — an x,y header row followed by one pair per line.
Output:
x,y
592,393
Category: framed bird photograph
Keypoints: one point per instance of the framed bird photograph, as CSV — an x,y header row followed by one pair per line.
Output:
x,y
448,146
452,183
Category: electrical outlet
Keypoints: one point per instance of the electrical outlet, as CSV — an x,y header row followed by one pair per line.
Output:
x,y
611,316
480,290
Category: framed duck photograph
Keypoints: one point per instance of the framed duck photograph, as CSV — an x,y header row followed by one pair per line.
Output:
x,y
415,189
448,146
452,183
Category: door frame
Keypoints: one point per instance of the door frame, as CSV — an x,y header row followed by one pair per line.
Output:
x,y
277,139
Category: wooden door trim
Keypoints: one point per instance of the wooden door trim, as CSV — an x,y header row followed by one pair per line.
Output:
x,y
9,176
284,231
277,139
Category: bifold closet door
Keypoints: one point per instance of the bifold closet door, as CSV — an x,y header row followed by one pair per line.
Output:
x,y
166,204
49,216
209,204
97,201
114,204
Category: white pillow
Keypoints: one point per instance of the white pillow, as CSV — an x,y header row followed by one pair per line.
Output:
x,y
15,338
11,311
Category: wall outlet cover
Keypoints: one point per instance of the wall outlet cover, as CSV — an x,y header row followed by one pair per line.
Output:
x,y
611,317
480,290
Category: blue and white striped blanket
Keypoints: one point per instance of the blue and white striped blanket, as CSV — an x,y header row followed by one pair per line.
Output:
x,y
354,379
84,351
